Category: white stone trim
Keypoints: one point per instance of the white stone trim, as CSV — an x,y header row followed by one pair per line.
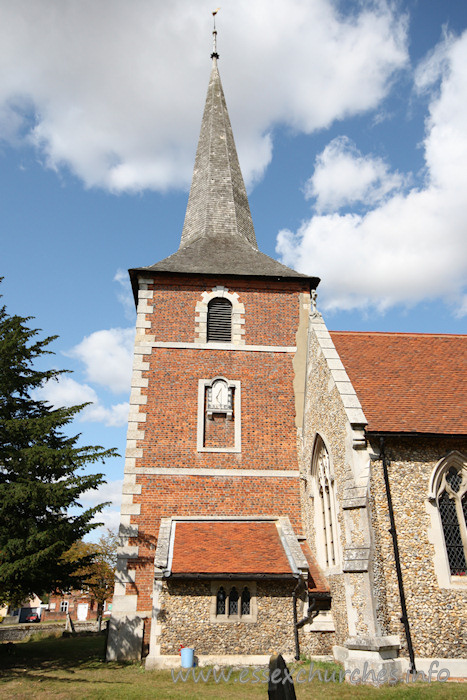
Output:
x,y
340,379
294,552
123,604
136,424
435,532
175,345
156,627
238,311
203,384
235,473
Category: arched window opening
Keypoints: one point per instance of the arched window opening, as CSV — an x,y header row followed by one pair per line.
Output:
x,y
219,325
233,602
245,601
325,503
220,602
452,505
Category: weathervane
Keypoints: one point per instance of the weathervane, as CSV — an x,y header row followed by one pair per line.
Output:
x,y
214,36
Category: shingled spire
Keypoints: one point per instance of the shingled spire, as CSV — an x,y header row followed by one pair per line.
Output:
x,y
218,237
218,203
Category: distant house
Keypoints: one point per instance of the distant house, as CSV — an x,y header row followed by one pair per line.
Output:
x,y
13,614
80,604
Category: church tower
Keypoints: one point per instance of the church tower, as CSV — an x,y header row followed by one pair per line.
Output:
x,y
212,549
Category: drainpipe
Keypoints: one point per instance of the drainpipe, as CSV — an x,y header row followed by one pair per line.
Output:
x,y
404,619
308,618
295,628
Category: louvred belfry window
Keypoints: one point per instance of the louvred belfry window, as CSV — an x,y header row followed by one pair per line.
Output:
x,y
219,327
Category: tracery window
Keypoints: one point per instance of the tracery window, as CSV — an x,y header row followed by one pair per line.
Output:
x,y
220,602
246,597
452,504
325,509
234,602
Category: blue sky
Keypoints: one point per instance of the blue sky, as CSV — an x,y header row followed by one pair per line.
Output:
x,y
349,119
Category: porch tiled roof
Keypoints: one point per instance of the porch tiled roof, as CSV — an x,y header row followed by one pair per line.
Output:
x,y
229,547
407,382
316,580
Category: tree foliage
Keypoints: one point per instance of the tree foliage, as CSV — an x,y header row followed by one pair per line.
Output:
x,y
41,469
95,564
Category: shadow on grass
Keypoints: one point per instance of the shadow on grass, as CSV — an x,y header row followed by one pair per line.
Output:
x,y
28,660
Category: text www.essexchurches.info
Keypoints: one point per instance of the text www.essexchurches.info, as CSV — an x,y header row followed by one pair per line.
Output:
x,y
259,674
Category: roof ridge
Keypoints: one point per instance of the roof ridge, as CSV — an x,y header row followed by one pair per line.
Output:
x,y
402,333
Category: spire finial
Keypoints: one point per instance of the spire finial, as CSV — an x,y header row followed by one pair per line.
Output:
x,y
214,54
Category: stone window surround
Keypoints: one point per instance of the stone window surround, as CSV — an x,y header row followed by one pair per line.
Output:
x,y
203,384
64,605
238,311
227,585
330,529
435,533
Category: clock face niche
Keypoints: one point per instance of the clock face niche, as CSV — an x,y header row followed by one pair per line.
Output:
x,y
219,398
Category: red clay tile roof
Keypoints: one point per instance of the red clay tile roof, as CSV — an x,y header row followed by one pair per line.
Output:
x,y
229,548
408,382
316,580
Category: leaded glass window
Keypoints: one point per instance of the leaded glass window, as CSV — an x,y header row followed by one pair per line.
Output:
x,y
220,602
245,601
452,504
233,602
232,605
324,502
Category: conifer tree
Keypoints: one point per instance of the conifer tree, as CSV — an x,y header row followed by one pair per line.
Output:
x,y
41,470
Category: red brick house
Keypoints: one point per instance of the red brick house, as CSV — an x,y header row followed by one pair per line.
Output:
x,y
80,605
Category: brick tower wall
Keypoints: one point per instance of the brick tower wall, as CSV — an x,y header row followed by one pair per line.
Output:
x,y
264,479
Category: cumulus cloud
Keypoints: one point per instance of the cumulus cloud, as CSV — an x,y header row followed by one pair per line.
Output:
x,y
124,294
107,356
113,90
66,391
343,176
110,516
412,245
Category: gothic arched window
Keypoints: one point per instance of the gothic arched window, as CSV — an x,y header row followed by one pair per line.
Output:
x,y
449,490
233,602
231,605
325,509
219,324
220,602
245,609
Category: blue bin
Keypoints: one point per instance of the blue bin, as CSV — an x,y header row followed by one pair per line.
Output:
x,y
187,655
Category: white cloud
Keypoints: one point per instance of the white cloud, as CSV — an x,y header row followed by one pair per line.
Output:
x,y
110,491
107,356
110,516
342,176
67,392
113,417
124,294
113,90
412,246
434,65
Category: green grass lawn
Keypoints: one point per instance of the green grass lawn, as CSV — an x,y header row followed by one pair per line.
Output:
x,y
57,667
